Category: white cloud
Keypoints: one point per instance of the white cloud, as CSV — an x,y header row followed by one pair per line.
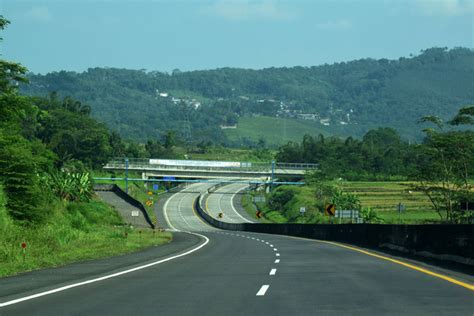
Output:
x,y
445,7
39,14
335,25
248,9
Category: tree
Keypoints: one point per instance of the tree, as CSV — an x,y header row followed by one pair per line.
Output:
x,y
154,149
26,198
447,169
170,139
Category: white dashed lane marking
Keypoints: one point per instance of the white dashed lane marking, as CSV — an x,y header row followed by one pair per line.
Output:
x,y
263,290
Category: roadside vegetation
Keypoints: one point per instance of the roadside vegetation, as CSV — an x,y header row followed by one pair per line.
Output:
x,y
440,170
376,201
49,214
75,231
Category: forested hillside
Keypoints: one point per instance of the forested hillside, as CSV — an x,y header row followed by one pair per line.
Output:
x,y
342,99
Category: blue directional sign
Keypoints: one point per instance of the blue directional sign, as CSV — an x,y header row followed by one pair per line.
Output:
x,y
169,178
155,187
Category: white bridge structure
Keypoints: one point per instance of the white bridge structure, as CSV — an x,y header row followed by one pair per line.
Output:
x,y
205,169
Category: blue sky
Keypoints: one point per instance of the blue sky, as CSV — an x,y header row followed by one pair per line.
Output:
x,y
53,35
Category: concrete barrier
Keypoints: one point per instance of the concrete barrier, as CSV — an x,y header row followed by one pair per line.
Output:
x,y
117,190
452,242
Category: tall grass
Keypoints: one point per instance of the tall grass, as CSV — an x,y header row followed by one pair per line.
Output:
x,y
77,231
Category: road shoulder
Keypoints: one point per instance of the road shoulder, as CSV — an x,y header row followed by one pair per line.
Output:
x,y
46,279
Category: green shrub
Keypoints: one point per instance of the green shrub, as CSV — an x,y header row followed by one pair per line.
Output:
x,y
70,186
369,215
280,197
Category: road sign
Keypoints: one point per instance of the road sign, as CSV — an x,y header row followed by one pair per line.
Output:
x,y
135,213
23,245
258,214
220,215
155,187
169,178
150,193
330,210
302,210
149,203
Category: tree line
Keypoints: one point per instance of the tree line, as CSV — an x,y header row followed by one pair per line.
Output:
x,y
389,93
442,166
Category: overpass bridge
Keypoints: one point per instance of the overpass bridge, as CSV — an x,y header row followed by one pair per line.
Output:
x,y
204,169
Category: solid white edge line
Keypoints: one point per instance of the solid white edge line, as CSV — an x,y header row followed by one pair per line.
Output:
x,y
233,208
263,290
165,213
273,271
63,288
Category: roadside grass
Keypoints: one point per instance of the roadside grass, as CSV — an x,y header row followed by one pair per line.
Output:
x,y
275,131
383,197
76,232
269,216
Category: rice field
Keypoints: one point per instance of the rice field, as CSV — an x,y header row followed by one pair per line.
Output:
x,y
384,197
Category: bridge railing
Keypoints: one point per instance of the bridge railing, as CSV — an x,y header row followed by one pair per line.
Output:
x,y
144,164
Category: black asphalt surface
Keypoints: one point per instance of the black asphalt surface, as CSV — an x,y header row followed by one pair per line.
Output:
x,y
224,276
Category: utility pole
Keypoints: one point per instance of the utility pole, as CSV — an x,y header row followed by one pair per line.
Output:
x,y
126,175
273,174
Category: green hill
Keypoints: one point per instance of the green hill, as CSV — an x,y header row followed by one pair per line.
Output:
x,y
274,131
352,97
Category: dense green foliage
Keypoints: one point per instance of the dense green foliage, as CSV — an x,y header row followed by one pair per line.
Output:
x,y
380,154
447,168
46,197
353,97
443,165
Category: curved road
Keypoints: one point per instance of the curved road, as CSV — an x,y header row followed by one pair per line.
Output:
x,y
238,273
223,201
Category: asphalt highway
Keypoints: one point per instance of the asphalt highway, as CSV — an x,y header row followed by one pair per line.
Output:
x,y
215,272
222,201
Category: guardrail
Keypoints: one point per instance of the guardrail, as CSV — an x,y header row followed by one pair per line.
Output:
x,y
450,242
